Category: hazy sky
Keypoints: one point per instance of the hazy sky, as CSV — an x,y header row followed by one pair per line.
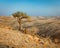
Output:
x,y
31,7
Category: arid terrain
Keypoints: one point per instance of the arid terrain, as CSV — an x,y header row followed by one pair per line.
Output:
x,y
40,32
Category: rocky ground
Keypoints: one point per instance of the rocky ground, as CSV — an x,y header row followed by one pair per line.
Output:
x,y
41,32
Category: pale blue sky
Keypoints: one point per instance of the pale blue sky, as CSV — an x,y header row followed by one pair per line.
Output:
x,y
31,7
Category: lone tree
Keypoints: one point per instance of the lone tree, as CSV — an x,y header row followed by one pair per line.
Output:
x,y
20,16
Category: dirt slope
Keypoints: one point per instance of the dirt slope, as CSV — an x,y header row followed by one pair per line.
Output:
x,y
17,39
10,35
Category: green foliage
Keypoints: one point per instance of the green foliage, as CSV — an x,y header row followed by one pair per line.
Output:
x,y
20,15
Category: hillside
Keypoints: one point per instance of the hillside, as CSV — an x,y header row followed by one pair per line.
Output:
x,y
41,33
15,39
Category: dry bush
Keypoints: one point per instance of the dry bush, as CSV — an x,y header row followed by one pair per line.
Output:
x,y
32,30
56,38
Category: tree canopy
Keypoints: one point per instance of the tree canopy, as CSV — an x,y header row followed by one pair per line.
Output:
x,y
20,15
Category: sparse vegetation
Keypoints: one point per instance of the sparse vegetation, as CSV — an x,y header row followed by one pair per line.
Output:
x,y
39,33
20,16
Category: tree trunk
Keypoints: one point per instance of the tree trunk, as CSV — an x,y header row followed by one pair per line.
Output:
x,y
20,26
